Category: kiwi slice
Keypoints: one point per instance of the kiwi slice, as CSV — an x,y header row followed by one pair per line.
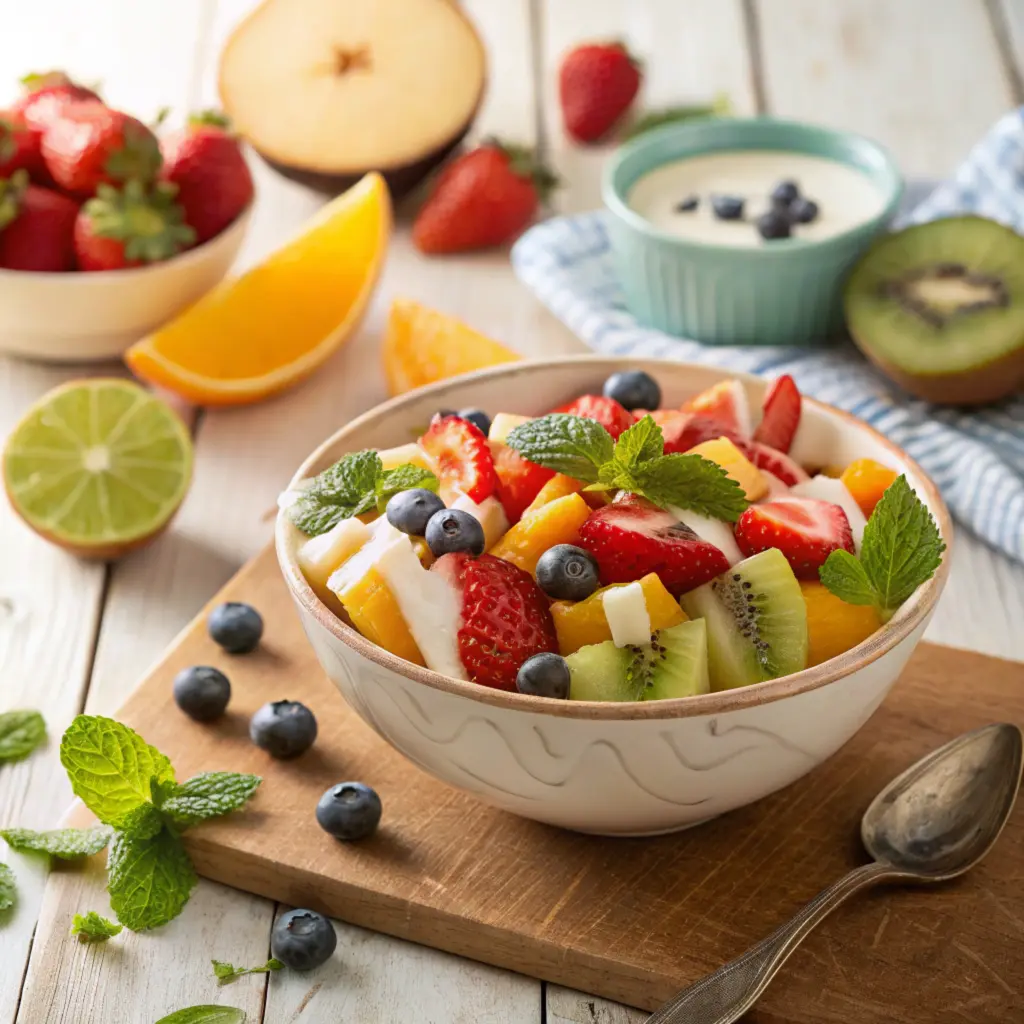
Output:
x,y
939,307
673,664
756,621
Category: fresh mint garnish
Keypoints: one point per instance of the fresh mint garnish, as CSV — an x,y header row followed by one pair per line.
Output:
x,y
150,879
20,733
7,887
65,843
205,1015
226,973
92,927
207,795
354,485
582,448
901,549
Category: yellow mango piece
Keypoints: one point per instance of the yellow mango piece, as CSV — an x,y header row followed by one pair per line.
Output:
x,y
557,522
320,556
373,610
833,626
559,486
503,424
581,623
392,458
736,464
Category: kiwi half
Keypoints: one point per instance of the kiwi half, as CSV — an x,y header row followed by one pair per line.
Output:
x,y
939,307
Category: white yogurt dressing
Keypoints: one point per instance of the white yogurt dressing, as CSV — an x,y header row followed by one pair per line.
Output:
x,y
844,195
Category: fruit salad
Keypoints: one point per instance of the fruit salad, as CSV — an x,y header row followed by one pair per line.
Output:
x,y
613,549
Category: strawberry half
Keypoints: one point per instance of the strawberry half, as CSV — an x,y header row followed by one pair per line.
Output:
x,y
519,480
685,430
612,416
777,463
805,530
781,414
462,458
632,537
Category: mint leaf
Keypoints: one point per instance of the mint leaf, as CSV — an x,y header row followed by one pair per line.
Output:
x,y
93,928
226,973
346,489
691,482
640,443
66,843
847,579
112,769
403,478
7,887
208,795
20,733
205,1015
573,445
150,879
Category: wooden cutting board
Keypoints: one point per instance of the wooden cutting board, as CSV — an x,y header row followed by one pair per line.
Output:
x,y
628,919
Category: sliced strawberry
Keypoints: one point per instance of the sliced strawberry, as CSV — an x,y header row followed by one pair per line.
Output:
x,y
612,416
777,463
519,481
726,402
805,530
505,619
462,458
685,430
632,538
781,414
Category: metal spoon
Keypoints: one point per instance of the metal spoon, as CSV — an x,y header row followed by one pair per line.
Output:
x,y
930,824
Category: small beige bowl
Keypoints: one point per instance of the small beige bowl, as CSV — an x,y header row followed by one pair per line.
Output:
x,y
95,316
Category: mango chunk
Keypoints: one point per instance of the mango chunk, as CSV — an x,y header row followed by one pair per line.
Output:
x,y
373,610
557,522
736,464
559,486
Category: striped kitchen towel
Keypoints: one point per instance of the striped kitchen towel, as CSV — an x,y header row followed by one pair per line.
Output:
x,y
975,457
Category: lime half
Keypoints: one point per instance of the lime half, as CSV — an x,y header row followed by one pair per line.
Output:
x,y
98,466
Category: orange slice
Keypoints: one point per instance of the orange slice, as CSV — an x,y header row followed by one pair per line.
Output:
x,y
260,333
422,345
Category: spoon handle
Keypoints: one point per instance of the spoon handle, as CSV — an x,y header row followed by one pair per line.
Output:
x,y
726,995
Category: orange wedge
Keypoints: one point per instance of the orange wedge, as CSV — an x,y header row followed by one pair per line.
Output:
x,y
260,333
422,345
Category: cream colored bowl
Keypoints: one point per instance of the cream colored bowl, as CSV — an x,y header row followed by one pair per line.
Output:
x,y
87,317
615,769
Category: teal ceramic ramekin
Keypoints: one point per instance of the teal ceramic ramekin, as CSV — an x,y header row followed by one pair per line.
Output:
x,y
781,293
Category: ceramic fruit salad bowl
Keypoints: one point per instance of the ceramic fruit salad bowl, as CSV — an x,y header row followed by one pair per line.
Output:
x,y
620,597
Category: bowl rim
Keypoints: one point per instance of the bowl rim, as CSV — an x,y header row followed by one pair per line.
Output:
x,y
886,639
615,202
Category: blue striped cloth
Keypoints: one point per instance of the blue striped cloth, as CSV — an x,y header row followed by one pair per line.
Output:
x,y
975,457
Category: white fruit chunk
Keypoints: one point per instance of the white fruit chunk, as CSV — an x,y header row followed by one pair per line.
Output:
x,y
625,608
320,556
776,488
503,424
714,531
489,513
826,488
382,534
392,458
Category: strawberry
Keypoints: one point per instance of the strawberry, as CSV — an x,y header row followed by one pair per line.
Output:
x,y
205,161
129,227
519,481
482,199
89,145
805,530
780,415
685,430
726,402
36,227
505,618
19,146
597,82
612,416
631,538
779,464
462,458
47,96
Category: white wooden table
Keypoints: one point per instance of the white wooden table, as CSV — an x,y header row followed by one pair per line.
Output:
x,y
926,77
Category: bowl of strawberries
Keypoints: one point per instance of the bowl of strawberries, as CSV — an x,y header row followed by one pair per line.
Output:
x,y
107,229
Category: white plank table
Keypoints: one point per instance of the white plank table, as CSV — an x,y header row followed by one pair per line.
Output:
x,y
76,636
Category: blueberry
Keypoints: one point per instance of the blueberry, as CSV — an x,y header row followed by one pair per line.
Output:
x,y
784,193
235,626
633,389
409,511
544,675
727,207
283,728
454,530
803,211
303,939
567,573
350,810
478,418
687,205
202,692
773,224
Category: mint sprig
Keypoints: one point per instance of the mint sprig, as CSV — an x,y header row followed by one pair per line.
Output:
x,y
205,1015
354,485
580,447
93,927
901,549
150,880
207,795
226,973
65,843
8,889
20,733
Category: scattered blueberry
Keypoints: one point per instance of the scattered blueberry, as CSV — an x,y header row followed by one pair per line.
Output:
x,y
803,211
283,728
202,692
454,530
567,573
687,205
235,626
478,418
727,207
784,193
633,389
773,224
409,511
544,675
350,810
303,939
